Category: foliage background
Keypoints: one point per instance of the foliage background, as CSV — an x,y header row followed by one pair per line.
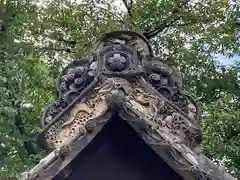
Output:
x,y
39,37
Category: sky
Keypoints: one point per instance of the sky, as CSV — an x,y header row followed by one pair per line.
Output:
x,y
227,61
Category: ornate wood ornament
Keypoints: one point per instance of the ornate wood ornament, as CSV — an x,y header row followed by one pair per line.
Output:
x,y
121,75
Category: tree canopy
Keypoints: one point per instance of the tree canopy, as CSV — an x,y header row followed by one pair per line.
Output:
x,y
39,37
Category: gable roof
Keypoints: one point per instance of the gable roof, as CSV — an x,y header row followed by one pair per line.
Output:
x,y
145,92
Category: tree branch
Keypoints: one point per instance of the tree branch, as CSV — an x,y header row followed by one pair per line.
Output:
x,y
68,50
187,23
128,6
167,22
18,120
60,39
2,26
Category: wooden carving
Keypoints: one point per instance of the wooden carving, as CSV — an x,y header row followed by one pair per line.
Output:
x,y
121,75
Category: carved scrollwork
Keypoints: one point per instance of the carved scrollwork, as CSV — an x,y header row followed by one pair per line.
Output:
x,y
76,123
161,74
161,116
52,111
76,78
71,82
168,81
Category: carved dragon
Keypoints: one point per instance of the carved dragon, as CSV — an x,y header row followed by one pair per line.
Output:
x,y
122,75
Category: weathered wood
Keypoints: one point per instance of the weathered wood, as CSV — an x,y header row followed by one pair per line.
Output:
x,y
123,76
